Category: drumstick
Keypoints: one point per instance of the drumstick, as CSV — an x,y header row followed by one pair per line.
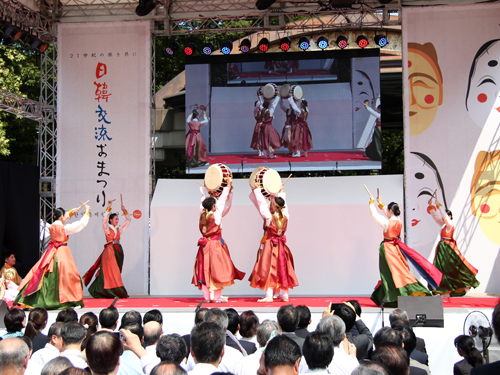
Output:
x,y
199,184
368,191
121,199
287,179
83,204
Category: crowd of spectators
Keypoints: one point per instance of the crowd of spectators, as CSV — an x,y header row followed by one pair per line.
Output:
x,y
222,341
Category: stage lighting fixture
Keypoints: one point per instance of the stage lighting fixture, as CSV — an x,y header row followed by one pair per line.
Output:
x,y
145,7
380,40
322,42
190,49
245,45
172,47
342,41
208,48
362,41
264,4
227,47
285,43
304,43
263,45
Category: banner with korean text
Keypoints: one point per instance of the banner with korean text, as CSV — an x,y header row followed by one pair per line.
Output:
x,y
103,131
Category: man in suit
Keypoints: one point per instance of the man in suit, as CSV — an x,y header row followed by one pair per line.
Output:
x,y
288,320
233,327
198,318
364,340
491,368
420,353
304,321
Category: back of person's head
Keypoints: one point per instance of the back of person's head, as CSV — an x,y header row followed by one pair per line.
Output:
x,y
248,324
14,320
54,330
108,317
356,305
74,371
135,328
387,335
318,351
217,316
282,351
37,320
152,332
304,316
90,322
208,203
367,367
347,315
103,352
407,336
73,333
468,347
171,348
131,316
168,368
207,342
333,327
153,315
266,330
288,318
398,314
200,314
27,341
495,319
394,207
233,320
56,365
393,357
13,355
67,315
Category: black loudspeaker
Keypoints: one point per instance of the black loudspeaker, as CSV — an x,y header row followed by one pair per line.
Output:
x,y
3,310
423,311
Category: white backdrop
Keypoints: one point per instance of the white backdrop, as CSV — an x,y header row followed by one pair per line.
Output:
x,y
103,136
331,234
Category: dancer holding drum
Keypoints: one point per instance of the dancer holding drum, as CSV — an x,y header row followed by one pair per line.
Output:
x,y
301,137
269,138
213,268
291,119
255,144
274,268
196,149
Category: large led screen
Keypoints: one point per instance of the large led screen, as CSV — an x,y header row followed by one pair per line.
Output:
x,y
288,111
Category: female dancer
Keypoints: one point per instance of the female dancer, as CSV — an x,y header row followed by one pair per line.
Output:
x,y
108,282
396,277
269,138
196,149
274,268
302,139
458,273
213,268
290,124
255,143
54,282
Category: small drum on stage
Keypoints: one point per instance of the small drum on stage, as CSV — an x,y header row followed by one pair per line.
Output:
x,y
285,91
296,92
216,178
270,91
267,179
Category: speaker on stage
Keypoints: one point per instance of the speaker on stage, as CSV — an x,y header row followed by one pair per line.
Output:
x,y
423,311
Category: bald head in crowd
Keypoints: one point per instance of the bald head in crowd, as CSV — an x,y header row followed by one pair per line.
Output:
x,y
168,368
152,332
13,356
103,353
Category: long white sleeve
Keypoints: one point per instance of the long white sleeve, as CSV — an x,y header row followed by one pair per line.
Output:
x,y
125,225
254,200
294,106
262,206
437,217
446,219
379,219
373,112
204,121
105,222
273,104
76,226
228,204
190,117
220,206
204,195
282,105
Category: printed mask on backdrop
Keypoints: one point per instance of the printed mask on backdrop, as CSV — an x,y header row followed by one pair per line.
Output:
x,y
484,79
426,86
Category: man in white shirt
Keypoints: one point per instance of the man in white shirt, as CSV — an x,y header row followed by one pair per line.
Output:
x,y
207,348
318,353
73,334
152,334
52,348
14,355
108,319
282,356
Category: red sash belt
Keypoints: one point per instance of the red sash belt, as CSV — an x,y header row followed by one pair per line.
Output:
x,y
200,272
282,262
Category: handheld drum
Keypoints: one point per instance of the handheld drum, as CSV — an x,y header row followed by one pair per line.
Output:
x,y
216,178
285,91
296,92
270,91
268,180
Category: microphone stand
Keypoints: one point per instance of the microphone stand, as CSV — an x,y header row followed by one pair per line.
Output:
x,y
382,310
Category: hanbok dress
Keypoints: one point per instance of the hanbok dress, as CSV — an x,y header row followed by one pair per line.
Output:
x,y
374,149
196,149
302,138
458,273
396,277
274,267
12,279
108,282
54,281
269,137
291,122
213,266
255,143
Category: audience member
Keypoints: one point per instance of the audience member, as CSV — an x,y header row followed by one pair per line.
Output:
x,y
103,353
232,329
367,367
304,321
400,314
32,368
14,355
491,368
318,352
73,334
91,324
168,368
198,318
37,321
409,342
56,365
387,335
74,371
472,357
248,326
67,315
364,340
131,316
207,348
153,315
282,356
14,321
130,363
393,357
288,319
172,348
52,348
108,318
152,334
